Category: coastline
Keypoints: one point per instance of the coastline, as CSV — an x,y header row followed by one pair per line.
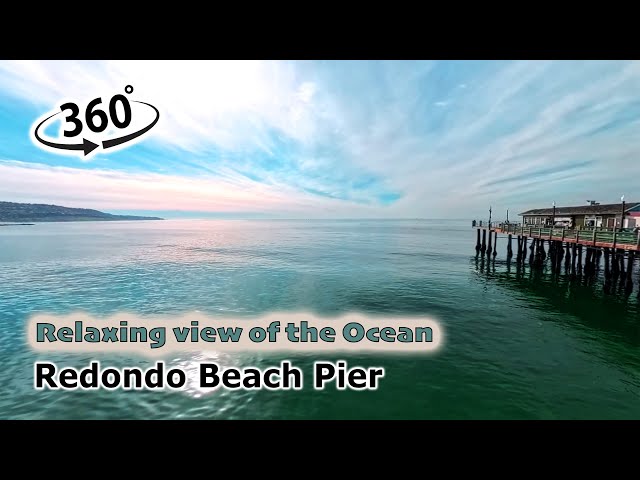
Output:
x,y
25,223
31,213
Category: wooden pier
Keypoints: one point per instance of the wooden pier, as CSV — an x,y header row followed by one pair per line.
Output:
x,y
618,248
589,237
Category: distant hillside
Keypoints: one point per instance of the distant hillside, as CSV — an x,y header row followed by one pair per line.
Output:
x,y
35,212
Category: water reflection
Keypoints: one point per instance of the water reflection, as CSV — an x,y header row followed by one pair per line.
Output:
x,y
602,299
191,366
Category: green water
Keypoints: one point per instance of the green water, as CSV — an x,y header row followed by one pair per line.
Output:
x,y
519,344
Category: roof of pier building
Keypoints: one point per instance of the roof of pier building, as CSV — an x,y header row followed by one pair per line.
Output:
x,y
605,209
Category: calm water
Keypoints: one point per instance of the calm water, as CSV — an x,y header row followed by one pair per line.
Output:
x,y
518,344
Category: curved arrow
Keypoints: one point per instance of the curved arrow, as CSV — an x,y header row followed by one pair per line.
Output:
x,y
117,141
86,146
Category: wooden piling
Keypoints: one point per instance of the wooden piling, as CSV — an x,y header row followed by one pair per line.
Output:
x,y
489,245
537,257
495,244
607,265
587,261
483,247
559,255
509,249
629,270
524,248
615,267
579,259
607,272
532,253
639,273
478,240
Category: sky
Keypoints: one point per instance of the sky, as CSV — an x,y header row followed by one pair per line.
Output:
x,y
334,139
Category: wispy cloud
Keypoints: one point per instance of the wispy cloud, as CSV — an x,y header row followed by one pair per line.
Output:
x,y
118,191
343,137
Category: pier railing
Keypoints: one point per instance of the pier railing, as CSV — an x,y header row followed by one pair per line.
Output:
x,y
503,226
583,236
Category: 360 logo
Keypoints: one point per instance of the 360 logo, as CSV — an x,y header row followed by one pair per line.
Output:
x,y
109,124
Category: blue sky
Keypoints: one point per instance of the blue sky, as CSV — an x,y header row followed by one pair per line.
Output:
x,y
392,139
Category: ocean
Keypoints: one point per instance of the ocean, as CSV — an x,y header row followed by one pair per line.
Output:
x,y
519,344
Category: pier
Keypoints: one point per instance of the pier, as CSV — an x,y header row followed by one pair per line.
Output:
x,y
580,251
602,238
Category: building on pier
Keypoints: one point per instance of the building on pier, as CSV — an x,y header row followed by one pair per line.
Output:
x,y
585,216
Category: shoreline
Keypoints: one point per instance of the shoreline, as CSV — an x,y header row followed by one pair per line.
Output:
x,y
88,220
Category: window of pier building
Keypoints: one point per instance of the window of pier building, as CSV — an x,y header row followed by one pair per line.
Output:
x,y
592,221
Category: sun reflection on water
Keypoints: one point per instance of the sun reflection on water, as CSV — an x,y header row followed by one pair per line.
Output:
x,y
191,367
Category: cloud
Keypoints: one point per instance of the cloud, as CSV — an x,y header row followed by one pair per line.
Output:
x,y
118,191
356,137
202,102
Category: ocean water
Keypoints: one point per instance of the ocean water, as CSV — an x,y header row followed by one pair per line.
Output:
x,y
519,344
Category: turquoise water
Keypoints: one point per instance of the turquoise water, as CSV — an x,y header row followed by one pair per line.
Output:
x,y
519,344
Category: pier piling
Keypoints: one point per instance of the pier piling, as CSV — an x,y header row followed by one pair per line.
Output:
x,y
607,272
532,252
579,260
629,285
618,263
607,268
588,262
483,247
560,255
